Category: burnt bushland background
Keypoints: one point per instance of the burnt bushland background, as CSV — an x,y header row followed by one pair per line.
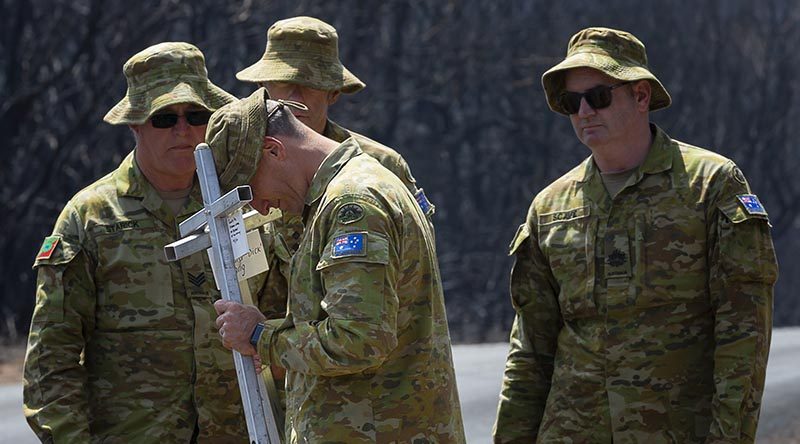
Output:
x,y
453,85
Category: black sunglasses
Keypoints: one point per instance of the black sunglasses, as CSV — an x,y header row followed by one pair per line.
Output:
x,y
598,97
194,118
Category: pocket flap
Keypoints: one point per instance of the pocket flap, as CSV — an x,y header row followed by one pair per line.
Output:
x,y
356,246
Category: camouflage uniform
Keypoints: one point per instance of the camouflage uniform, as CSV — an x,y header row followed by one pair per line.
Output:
x,y
389,158
123,346
644,317
305,51
365,342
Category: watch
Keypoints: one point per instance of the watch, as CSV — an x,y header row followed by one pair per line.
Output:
x,y
256,334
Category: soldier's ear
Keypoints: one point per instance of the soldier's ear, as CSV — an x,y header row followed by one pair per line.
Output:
x,y
642,92
273,147
333,96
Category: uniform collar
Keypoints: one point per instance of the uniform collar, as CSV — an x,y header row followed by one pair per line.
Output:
x,y
335,132
330,168
658,159
131,182
129,179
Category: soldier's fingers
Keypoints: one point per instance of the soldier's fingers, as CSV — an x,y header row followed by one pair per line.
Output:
x,y
221,306
220,322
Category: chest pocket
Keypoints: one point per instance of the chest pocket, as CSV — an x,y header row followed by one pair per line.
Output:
x,y
133,279
671,256
567,239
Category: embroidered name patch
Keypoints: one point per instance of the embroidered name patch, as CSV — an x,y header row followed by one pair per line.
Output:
x,y
751,204
563,216
48,247
422,201
350,244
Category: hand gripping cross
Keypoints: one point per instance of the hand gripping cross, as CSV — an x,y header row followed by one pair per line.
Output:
x,y
209,228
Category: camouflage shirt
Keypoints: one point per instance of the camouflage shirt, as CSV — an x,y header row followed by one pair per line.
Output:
x,y
389,158
123,345
642,318
365,344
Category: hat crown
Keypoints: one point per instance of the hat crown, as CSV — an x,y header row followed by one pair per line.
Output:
x,y
302,50
621,46
303,28
169,62
162,75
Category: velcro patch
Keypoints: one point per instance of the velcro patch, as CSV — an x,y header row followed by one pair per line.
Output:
x,y
422,201
564,216
350,213
751,204
350,244
48,247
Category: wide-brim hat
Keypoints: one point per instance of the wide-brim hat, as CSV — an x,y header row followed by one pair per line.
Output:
x,y
305,51
162,75
615,53
235,134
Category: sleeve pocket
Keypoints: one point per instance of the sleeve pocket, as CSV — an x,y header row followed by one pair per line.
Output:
x,y
736,214
376,251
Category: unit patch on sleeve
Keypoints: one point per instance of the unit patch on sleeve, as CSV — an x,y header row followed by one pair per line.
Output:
x,y
751,204
350,213
350,244
48,247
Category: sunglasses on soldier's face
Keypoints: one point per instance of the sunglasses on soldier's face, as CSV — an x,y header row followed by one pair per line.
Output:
x,y
168,120
598,97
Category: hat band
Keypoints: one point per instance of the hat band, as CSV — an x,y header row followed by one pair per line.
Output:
x,y
599,50
275,49
144,88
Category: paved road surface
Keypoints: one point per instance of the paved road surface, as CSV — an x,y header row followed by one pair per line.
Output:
x,y
479,370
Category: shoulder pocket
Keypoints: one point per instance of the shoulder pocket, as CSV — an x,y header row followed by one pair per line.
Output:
x,y
736,213
519,238
51,262
355,246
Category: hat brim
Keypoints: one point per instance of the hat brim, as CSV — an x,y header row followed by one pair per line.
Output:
x,y
317,74
136,109
553,79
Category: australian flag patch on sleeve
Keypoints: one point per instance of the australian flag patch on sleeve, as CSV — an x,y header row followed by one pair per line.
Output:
x,y
751,204
423,202
350,244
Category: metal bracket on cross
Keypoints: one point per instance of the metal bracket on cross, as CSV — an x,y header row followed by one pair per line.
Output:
x,y
212,227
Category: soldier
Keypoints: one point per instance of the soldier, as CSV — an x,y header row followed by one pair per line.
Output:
x,y
365,343
301,63
643,277
122,346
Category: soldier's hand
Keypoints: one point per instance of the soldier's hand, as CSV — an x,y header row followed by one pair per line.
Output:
x,y
236,323
277,372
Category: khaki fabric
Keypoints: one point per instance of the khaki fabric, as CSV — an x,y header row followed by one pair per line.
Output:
x,y
643,318
615,53
303,50
123,345
365,344
165,74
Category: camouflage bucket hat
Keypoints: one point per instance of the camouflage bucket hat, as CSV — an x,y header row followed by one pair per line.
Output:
x,y
615,53
162,75
303,50
236,133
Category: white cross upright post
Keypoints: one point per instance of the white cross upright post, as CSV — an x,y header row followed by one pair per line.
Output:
x,y
209,227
